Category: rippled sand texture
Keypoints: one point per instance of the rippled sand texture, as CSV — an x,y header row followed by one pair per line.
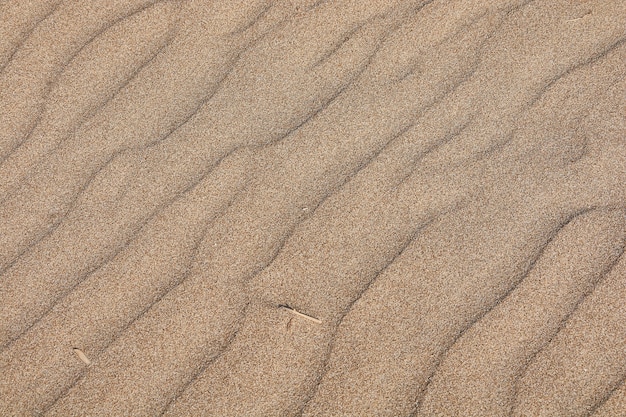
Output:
x,y
313,208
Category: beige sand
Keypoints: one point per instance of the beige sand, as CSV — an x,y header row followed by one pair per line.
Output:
x,y
312,208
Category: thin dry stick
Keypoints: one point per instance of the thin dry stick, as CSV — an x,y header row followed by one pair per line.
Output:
x,y
588,12
305,316
82,356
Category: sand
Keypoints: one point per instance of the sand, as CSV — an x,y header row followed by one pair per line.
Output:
x,y
313,208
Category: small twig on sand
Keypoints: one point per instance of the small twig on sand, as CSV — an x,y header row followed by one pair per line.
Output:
x,y
588,12
297,313
82,356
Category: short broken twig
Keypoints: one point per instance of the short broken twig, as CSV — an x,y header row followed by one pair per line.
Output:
x,y
588,12
82,356
299,314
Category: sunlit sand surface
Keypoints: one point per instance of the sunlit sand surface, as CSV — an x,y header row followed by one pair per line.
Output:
x,y
312,208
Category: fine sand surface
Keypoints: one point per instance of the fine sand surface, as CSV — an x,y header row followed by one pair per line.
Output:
x,y
312,208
